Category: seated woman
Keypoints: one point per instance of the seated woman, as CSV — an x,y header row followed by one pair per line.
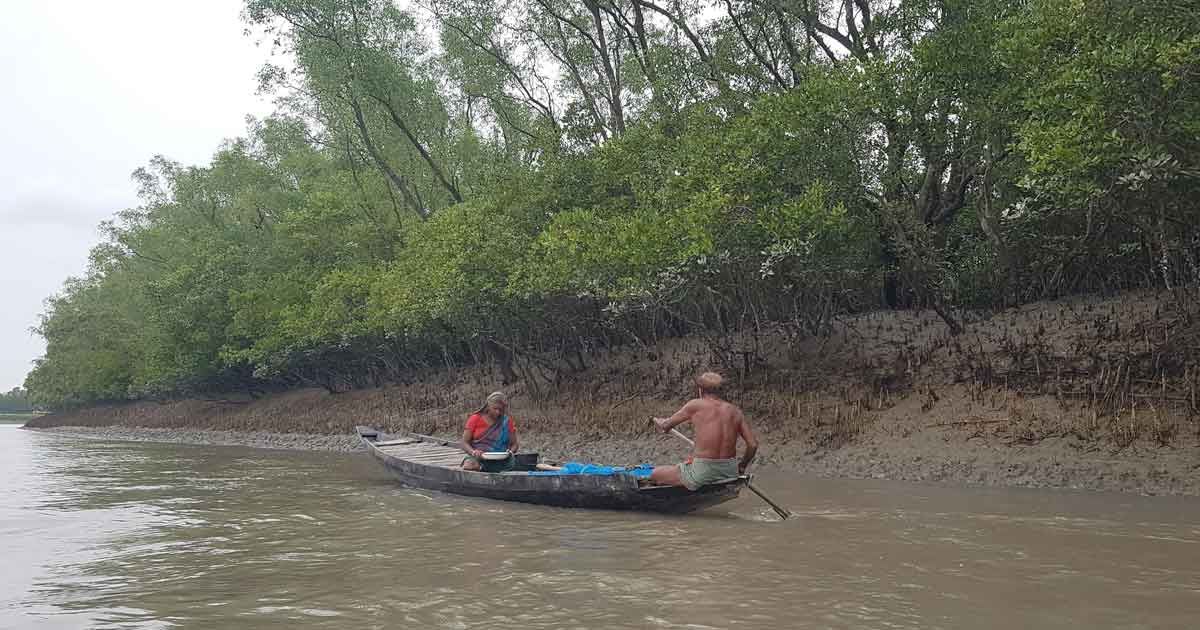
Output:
x,y
489,430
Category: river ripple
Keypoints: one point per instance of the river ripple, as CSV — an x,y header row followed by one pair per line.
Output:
x,y
133,535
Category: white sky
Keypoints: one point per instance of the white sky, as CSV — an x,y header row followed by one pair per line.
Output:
x,y
89,91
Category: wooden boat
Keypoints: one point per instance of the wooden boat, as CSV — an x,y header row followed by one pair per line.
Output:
x,y
421,461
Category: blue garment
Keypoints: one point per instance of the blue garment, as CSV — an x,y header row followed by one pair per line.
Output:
x,y
496,436
502,439
641,471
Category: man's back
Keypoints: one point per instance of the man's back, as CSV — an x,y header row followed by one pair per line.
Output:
x,y
717,424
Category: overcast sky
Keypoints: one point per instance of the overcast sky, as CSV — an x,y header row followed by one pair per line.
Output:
x,y
90,91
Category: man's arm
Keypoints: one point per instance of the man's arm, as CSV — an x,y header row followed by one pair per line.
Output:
x,y
747,435
683,415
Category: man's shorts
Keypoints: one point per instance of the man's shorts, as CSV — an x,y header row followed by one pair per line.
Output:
x,y
702,471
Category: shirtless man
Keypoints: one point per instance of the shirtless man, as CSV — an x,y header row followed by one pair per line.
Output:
x,y
718,424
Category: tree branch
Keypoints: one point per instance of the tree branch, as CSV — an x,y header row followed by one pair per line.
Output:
x,y
397,180
770,67
438,173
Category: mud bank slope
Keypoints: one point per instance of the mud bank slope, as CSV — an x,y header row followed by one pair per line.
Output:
x,y
1084,393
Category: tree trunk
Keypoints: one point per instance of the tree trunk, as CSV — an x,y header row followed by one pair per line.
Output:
x,y
616,107
397,180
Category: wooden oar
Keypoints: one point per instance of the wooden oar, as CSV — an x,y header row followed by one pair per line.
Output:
x,y
783,514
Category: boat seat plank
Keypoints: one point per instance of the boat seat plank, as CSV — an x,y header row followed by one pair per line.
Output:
x,y
442,462
457,463
406,451
429,456
411,448
395,442
435,458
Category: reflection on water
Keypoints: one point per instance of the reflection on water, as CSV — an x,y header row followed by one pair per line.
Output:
x,y
133,535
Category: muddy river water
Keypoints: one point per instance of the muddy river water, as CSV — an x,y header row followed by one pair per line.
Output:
x,y
132,535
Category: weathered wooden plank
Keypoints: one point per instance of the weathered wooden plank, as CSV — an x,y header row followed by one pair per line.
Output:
x,y
401,451
445,462
448,463
422,448
419,444
400,441
435,457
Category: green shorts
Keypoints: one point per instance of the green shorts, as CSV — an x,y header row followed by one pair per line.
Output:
x,y
705,471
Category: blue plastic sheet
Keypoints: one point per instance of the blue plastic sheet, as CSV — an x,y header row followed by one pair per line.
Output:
x,y
641,471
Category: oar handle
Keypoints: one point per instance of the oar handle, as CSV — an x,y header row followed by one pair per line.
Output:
x,y
683,437
674,432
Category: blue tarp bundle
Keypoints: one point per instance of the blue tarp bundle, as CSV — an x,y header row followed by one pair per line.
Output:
x,y
641,471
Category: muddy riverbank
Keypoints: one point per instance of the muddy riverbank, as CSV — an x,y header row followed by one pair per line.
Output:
x,y
1093,393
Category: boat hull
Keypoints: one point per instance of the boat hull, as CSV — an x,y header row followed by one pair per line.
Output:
x,y
613,492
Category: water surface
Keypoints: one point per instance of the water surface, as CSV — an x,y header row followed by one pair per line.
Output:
x,y
134,535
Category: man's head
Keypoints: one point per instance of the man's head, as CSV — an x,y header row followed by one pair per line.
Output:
x,y
710,383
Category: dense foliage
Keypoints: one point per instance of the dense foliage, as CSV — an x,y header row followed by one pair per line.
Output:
x,y
14,401
526,181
